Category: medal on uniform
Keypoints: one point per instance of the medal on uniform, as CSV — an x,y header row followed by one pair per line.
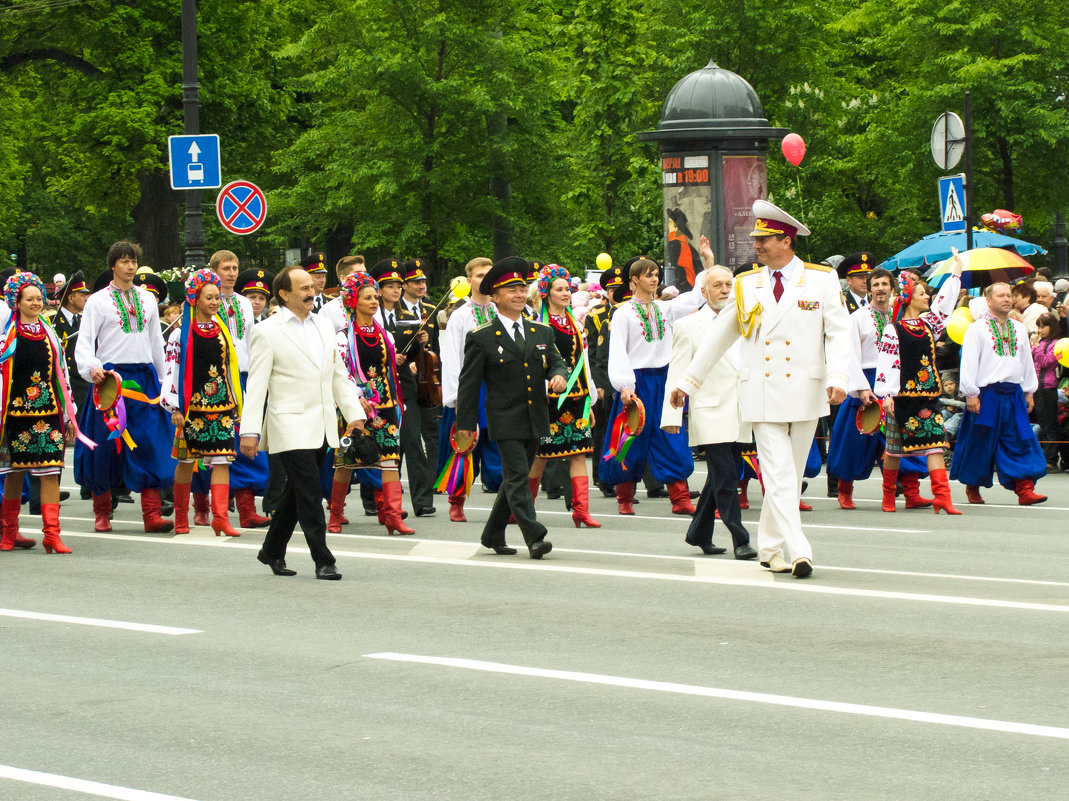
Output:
x,y
500,349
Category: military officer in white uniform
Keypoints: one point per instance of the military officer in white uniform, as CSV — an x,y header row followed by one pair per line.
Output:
x,y
795,359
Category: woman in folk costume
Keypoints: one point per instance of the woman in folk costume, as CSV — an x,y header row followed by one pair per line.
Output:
x,y
368,352
202,391
570,419
37,417
908,383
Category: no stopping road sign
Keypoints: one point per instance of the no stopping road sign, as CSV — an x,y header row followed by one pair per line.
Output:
x,y
241,207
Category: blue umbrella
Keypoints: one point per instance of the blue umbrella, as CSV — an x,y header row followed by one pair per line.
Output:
x,y
936,247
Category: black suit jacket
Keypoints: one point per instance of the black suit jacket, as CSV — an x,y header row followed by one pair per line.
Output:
x,y
516,406
66,332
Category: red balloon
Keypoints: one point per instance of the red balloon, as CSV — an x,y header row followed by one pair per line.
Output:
x,y
793,147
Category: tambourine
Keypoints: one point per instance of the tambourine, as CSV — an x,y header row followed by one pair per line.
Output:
x,y
107,393
636,416
870,418
464,444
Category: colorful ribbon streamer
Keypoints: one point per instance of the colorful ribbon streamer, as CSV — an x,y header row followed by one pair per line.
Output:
x,y
459,470
621,440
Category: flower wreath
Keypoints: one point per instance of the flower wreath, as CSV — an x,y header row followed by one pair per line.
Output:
x,y
351,286
18,282
907,282
547,275
197,281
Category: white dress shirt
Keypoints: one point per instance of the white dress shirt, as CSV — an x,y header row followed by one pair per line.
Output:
x,y
461,321
101,339
310,332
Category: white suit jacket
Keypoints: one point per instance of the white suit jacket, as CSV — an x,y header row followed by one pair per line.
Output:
x,y
795,350
300,414
714,409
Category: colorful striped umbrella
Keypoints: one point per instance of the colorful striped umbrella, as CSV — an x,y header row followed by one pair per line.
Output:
x,y
983,267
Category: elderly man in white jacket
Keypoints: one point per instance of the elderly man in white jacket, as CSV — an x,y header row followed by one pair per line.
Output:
x,y
714,423
295,366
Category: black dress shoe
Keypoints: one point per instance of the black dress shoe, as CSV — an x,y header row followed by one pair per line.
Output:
x,y
540,549
370,511
278,566
328,573
35,510
63,495
554,494
500,550
86,495
124,497
745,552
712,550
166,508
608,490
695,494
424,511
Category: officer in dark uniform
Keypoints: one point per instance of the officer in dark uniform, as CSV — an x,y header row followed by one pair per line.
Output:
x,y
855,269
404,325
414,301
597,339
514,357
255,283
315,264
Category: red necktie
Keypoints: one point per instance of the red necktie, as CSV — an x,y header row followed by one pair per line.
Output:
x,y
777,290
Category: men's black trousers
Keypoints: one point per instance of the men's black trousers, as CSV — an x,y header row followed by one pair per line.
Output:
x,y
514,495
301,502
720,493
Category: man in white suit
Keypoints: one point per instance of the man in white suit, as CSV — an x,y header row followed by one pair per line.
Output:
x,y
714,424
295,363
795,357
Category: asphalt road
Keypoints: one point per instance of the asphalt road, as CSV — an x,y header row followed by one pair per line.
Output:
x,y
927,658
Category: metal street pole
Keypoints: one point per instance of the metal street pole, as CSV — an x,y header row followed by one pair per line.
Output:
x,y
194,232
968,171
1061,263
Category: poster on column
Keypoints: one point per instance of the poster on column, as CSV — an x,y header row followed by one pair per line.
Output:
x,y
745,180
688,213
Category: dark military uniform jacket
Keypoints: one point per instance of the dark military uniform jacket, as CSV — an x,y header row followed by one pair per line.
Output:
x,y
66,332
516,406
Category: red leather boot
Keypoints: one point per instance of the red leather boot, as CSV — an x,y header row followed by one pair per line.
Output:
x,y
456,508
338,492
102,512
744,502
14,540
581,503
972,493
200,509
1026,492
890,484
941,490
150,511
679,493
181,508
50,518
220,511
625,494
391,498
245,501
846,494
911,488
380,507
534,484
10,511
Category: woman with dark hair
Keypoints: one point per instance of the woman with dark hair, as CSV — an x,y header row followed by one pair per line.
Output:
x,y
681,253
368,352
1046,397
37,416
202,391
570,412
908,382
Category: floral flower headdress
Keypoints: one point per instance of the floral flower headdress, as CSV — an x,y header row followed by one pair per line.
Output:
x,y
197,281
18,282
547,275
351,286
907,282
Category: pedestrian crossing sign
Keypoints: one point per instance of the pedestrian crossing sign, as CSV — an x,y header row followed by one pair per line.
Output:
x,y
952,202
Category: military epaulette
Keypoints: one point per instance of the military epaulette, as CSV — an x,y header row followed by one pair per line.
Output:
x,y
483,325
822,267
538,322
749,272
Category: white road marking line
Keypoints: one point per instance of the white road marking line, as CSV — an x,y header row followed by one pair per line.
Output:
x,y
756,579
1004,726
149,628
84,786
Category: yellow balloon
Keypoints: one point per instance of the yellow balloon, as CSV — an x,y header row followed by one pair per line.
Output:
x,y
957,325
604,261
1061,350
962,311
460,287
